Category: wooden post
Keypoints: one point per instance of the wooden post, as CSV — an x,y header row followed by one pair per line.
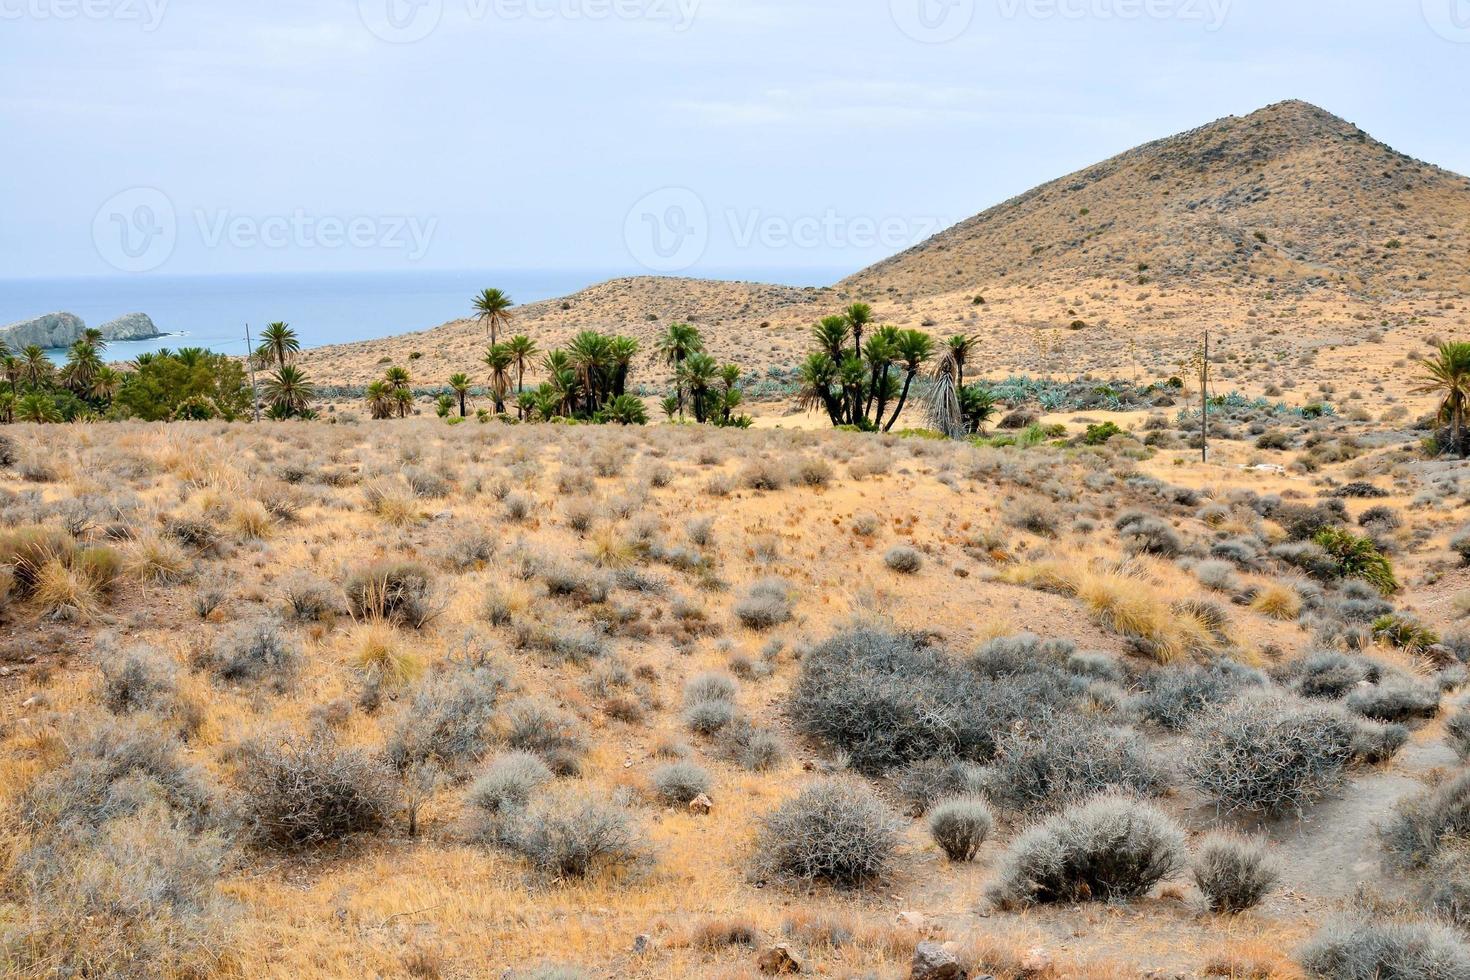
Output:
x,y
250,363
1204,402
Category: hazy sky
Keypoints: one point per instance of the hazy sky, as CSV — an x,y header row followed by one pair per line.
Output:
x,y
188,136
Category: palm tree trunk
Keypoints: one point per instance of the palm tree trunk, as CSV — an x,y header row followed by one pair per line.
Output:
x,y
898,409
461,405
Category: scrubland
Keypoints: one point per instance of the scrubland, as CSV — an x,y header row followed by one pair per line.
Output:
x,y
416,699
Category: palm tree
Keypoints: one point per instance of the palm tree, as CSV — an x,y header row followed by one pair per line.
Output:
x,y
1447,376
105,384
626,410
589,356
817,374
7,406
288,391
961,346
880,352
913,347
675,346
522,348
492,308
398,379
37,364
499,359
82,365
620,353
699,372
561,382
37,407
93,338
858,315
460,385
279,342
380,400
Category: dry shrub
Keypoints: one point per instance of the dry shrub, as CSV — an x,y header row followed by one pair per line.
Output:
x,y
394,591
1354,949
575,835
142,901
1276,601
1108,849
1269,754
301,792
959,826
1233,873
835,831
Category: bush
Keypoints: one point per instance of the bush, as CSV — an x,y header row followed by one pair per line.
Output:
x,y
959,826
1404,632
138,680
533,725
447,722
1148,534
1423,823
680,782
1060,763
508,783
141,901
1358,558
1457,733
1233,873
1330,675
575,836
1460,545
1395,699
710,717
395,591
253,652
113,770
835,831
1173,697
903,559
304,791
309,600
923,783
768,604
1375,742
1269,755
1108,849
710,686
1359,950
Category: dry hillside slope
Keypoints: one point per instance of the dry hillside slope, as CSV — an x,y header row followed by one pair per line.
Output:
x,y
1290,192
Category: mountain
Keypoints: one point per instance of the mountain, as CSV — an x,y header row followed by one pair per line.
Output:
x,y
1285,231
1290,192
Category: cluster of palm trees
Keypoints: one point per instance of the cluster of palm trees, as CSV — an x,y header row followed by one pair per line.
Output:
x,y
1447,376
865,383
288,392
708,388
587,380
36,391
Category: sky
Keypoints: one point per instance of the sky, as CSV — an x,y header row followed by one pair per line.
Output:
x,y
673,136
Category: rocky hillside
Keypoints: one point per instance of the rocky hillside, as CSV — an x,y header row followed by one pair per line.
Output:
x,y
59,330
1290,192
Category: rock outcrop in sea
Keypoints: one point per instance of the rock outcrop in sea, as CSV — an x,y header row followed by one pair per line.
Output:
x,y
56,330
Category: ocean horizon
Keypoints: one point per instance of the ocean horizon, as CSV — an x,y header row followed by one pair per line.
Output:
x,y
324,308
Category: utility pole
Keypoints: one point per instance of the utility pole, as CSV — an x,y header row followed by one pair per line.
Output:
x,y
250,363
1204,401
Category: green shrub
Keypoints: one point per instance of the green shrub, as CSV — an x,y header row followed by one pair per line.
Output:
x,y
1357,558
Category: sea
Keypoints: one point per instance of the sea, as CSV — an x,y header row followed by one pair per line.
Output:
x,y
212,311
